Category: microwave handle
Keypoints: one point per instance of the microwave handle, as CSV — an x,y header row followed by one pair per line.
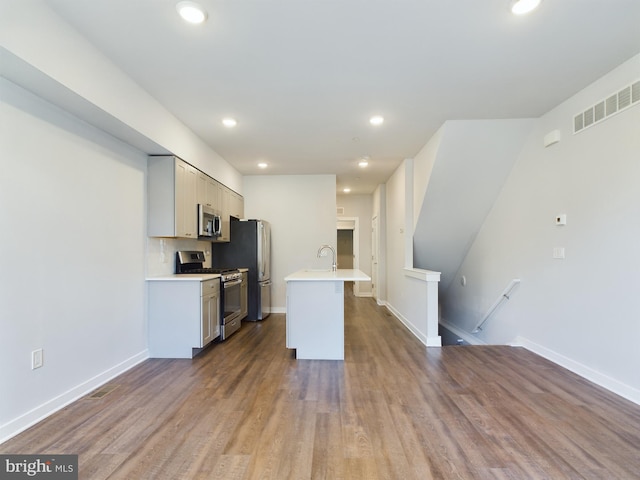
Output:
x,y
217,226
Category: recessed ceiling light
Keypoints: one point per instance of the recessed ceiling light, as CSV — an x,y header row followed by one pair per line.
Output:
x,y
364,162
229,122
346,190
262,165
521,7
191,12
376,120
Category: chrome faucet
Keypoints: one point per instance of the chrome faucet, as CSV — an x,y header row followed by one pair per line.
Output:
x,y
334,265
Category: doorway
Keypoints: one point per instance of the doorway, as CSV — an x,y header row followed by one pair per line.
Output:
x,y
347,246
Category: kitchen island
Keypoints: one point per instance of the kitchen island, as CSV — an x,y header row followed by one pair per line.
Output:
x,y
315,312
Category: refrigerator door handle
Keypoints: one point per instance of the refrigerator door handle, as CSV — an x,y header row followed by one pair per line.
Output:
x,y
262,249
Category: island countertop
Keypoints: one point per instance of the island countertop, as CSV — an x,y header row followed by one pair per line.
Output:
x,y
311,275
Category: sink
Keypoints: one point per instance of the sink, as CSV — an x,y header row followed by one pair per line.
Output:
x,y
317,269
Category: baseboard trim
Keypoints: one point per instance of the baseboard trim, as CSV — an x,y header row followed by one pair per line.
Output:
x,y
411,327
30,418
611,384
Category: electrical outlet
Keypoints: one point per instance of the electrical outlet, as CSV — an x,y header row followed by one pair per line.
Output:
x,y
36,359
561,219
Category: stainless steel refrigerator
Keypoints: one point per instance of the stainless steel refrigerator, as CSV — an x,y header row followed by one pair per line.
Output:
x,y
250,247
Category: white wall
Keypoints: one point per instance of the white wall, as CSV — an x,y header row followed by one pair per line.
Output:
x,y
360,207
423,163
72,217
379,212
406,292
395,238
302,213
583,311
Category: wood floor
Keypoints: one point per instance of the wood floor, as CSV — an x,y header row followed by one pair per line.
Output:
x,y
246,409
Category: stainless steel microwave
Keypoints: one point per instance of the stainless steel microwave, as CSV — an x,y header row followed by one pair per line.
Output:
x,y
209,223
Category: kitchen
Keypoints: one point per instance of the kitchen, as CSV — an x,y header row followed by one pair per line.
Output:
x,y
78,215
200,303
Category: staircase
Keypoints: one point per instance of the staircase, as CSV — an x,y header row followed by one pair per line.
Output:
x,y
460,173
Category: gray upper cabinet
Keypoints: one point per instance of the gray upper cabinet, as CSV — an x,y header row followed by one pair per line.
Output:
x,y
175,189
236,205
230,204
172,193
208,191
224,195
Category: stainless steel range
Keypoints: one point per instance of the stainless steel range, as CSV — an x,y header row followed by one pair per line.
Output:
x,y
230,278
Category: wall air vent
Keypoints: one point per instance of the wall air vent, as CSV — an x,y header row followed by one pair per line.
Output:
x,y
624,98
340,210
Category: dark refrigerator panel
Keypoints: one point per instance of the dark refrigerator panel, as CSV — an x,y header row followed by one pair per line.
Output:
x,y
250,247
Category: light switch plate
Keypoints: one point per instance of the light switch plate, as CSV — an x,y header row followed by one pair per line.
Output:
x,y
36,359
558,252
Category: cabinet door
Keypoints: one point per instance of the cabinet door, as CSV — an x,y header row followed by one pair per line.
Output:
x,y
215,315
212,193
191,203
236,208
202,189
207,191
186,212
223,205
210,322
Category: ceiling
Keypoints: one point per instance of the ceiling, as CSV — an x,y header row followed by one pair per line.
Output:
x,y
303,77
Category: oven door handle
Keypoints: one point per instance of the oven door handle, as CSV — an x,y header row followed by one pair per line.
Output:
x,y
232,283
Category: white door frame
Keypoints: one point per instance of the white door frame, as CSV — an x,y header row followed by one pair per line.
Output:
x,y
352,223
375,252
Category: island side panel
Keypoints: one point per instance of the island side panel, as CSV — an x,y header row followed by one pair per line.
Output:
x,y
315,319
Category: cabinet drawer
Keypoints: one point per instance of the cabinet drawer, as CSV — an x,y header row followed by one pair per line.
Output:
x,y
210,286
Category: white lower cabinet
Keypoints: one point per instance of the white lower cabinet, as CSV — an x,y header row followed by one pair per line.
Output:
x,y
183,316
210,312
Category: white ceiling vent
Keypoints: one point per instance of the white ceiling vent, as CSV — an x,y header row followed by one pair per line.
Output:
x,y
615,103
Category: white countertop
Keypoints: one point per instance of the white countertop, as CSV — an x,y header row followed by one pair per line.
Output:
x,y
184,277
311,275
